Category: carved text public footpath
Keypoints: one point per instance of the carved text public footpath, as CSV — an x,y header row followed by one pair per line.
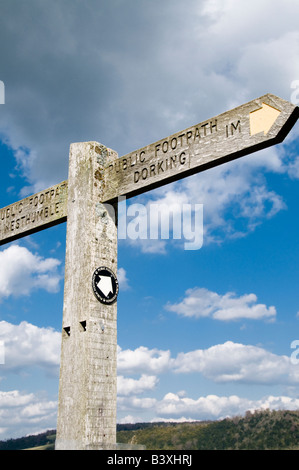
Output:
x,y
169,153
233,134
34,213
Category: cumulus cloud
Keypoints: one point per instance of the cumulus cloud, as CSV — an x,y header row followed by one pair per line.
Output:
x,y
247,56
234,362
25,413
201,408
142,360
130,419
21,272
200,302
223,363
236,196
27,346
173,407
134,403
129,386
218,407
236,199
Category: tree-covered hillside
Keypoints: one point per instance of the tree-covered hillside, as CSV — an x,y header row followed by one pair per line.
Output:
x,y
261,430
255,431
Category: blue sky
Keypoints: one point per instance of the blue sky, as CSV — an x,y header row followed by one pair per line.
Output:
x,y
202,334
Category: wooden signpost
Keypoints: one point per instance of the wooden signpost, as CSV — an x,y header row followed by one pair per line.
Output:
x,y
253,126
34,213
88,369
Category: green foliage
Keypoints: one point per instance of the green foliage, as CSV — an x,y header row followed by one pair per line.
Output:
x,y
46,439
261,430
256,431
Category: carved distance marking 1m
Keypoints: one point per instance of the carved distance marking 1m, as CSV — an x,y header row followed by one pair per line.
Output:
x,y
253,126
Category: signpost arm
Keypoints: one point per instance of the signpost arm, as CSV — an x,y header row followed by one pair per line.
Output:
x,y
34,213
253,126
87,387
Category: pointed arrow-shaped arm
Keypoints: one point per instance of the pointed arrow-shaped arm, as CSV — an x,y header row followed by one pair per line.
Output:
x,y
253,126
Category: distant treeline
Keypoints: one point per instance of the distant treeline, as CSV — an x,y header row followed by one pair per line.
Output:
x,y
260,430
27,442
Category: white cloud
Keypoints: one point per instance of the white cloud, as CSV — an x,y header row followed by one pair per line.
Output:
x,y
293,168
173,407
223,363
259,58
129,386
134,403
247,55
239,363
27,346
236,198
201,408
122,279
200,302
218,407
142,360
21,272
130,419
25,413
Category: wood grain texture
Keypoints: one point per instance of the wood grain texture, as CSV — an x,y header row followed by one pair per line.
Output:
x,y
87,385
215,141
34,213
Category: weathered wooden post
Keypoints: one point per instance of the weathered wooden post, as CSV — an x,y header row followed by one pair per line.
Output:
x,y
87,387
